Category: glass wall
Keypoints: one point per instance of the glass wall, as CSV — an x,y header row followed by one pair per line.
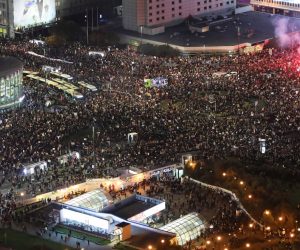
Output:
x,y
94,200
186,228
11,89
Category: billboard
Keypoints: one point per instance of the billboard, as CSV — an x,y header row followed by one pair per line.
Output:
x,y
33,12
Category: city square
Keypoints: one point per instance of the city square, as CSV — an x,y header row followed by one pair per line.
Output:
x,y
106,145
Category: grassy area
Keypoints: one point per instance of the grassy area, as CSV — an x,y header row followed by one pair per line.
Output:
x,y
22,241
120,246
97,240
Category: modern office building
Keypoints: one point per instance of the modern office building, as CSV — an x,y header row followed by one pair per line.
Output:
x,y
287,7
11,75
152,16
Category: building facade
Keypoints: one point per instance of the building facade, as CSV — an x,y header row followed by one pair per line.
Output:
x,y
17,15
11,79
6,18
288,8
65,8
145,14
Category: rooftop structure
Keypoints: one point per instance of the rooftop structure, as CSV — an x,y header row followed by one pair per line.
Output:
x,y
239,32
136,208
286,7
186,228
95,200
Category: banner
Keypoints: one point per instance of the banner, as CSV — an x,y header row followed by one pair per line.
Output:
x,y
155,82
159,82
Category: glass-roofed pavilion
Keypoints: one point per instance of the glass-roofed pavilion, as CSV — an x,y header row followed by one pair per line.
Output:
x,y
95,200
186,228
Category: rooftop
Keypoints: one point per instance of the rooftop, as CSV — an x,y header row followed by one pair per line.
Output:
x,y
131,209
94,200
254,27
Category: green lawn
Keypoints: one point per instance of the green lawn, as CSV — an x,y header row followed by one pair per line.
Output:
x,y
120,246
79,235
22,241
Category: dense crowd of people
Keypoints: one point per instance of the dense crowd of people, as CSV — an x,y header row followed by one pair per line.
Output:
x,y
218,105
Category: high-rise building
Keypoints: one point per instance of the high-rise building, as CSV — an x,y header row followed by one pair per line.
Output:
x,y
153,15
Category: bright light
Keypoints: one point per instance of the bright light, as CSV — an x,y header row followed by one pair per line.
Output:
x,y
292,235
298,229
247,245
250,196
162,241
251,225
208,242
192,164
267,212
219,238
149,247
224,174
241,183
22,194
225,248
268,228
280,218
21,98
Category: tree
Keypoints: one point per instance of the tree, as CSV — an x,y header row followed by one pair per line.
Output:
x,y
69,30
161,50
103,38
55,41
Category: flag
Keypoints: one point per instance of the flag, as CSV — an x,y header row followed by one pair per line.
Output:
x,y
148,83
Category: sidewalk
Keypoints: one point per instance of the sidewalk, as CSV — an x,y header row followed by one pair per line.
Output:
x,y
71,242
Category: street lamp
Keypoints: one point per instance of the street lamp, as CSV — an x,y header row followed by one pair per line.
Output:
x,y
162,241
149,247
141,30
247,245
22,196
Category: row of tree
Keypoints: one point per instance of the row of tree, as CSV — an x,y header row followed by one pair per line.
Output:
x,y
69,31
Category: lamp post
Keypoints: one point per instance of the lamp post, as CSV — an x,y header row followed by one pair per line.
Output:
x,y
87,26
141,32
93,135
